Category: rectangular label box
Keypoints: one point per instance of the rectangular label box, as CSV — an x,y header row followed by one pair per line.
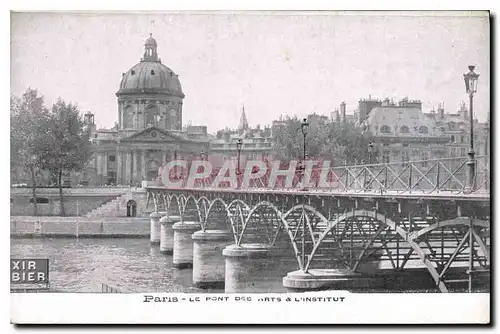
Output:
x,y
29,271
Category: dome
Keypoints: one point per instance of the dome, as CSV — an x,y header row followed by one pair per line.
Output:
x,y
150,77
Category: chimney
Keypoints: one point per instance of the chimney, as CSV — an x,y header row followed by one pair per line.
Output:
x,y
342,111
463,111
336,115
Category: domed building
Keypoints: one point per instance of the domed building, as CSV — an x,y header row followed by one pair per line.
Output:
x,y
149,130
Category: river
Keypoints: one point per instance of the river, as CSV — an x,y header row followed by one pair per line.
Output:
x,y
134,266
128,265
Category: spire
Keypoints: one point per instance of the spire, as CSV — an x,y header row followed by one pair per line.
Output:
x,y
243,120
150,53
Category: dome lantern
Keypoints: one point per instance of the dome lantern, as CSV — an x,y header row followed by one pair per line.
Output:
x,y
150,52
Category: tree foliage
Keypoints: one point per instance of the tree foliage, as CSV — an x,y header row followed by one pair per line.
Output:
x,y
70,142
54,141
342,143
29,141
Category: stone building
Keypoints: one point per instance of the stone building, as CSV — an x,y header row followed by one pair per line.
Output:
x,y
149,130
402,132
456,126
257,144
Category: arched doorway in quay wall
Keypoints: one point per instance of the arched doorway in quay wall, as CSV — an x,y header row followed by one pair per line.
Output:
x,y
131,208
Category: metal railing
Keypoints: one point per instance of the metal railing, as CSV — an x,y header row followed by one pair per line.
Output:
x,y
450,175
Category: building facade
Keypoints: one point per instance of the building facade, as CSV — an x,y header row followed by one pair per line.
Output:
x,y
401,131
149,130
256,143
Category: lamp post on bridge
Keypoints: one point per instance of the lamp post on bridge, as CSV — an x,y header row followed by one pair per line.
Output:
x,y
470,80
370,152
239,144
304,126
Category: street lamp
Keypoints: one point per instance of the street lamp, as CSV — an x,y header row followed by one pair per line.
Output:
x,y
305,128
370,152
239,144
470,80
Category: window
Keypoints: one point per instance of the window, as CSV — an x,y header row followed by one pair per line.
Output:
x,y
462,152
385,129
152,72
40,200
462,139
111,158
404,129
132,72
452,139
423,129
405,144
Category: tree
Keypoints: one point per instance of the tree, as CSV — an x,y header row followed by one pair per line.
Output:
x,y
342,143
29,140
70,143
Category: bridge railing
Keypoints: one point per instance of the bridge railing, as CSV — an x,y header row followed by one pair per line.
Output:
x,y
427,176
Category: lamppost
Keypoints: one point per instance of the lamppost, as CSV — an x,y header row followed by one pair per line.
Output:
x,y
471,79
239,144
370,152
305,128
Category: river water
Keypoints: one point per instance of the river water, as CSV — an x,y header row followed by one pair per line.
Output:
x,y
128,265
134,266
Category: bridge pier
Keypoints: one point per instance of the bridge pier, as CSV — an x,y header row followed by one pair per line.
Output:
x,y
155,228
208,261
248,267
167,234
183,243
328,279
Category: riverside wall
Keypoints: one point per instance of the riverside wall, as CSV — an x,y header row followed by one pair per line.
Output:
x,y
72,227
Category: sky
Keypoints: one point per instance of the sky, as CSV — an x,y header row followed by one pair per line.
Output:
x,y
274,64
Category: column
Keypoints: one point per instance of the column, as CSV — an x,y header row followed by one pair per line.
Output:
x,y
105,168
143,165
119,173
128,164
99,163
135,168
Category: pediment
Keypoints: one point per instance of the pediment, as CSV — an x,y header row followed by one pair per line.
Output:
x,y
153,134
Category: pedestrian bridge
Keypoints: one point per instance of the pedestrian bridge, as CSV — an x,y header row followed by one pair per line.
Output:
x,y
432,216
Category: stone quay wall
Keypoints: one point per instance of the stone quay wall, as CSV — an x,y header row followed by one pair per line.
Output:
x,y
77,201
74,227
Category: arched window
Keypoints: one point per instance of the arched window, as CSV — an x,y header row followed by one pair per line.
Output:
x,y
404,129
423,129
151,115
452,139
385,129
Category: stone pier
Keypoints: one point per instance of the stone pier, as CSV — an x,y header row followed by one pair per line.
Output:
x,y
183,243
247,268
328,279
155,228
167,233
208,261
